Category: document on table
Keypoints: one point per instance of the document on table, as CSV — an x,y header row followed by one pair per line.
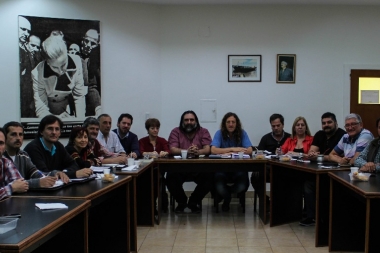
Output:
x,y
58,183
49,206
82,179
234,155
130,168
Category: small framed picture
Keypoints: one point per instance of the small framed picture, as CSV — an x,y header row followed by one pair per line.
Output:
x,y
244,68
286,68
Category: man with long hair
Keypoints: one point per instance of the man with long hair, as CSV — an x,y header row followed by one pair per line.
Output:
x,y
196,140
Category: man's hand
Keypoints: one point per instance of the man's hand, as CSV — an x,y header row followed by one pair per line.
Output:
x,y
312,155
368,167
63,177
121,159
163,154
193,149
19,185
344,160
86,172
47,182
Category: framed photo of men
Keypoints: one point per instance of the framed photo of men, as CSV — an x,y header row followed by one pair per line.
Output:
x,y
286,68
59,70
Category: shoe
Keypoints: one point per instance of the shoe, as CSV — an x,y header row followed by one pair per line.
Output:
x,y
307,222
194,207
225,207
180,208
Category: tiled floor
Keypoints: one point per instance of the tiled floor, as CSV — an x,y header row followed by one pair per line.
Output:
x,y
232,232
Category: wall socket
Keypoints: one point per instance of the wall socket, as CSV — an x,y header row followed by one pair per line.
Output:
x,y
147,115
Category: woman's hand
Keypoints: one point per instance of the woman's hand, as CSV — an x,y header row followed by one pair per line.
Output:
x,y
163,154
86,172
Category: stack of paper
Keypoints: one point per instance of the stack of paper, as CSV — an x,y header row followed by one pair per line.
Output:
x,y
49,206
129,168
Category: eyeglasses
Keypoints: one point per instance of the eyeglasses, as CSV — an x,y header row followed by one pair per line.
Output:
x,y
351,125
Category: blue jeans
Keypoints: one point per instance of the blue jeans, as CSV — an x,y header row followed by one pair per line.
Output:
x,y
240,183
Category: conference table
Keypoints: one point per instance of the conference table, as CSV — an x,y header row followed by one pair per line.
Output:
x,y
141,193
62,230
286,194
354,213
207,164
109,227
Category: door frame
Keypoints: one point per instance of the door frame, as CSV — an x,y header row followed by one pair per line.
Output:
x,y
347,83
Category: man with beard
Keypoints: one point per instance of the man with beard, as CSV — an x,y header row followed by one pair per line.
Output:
x,y
15,136
196,139
108,138
10,179
323,143
90,50
128,140
270,142
106,157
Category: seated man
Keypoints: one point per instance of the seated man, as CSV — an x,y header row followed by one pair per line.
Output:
x,y
14,132
196,139
128,140
105,156
270,142
369,158
108,138
324,141
48,154
10,179
353,142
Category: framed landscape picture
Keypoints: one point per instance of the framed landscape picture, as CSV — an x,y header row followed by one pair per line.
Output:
x,y
286,68
244,68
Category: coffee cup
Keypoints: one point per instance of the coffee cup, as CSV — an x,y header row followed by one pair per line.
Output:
x,y
131,161
184,153
106,171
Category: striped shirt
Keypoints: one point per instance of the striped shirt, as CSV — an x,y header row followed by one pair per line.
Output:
x,y
347,146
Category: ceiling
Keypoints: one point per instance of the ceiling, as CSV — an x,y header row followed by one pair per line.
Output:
x,y
261,2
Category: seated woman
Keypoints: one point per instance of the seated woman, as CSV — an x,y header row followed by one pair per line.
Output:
x,y
300,141
155,146
80,152
369,158
231,138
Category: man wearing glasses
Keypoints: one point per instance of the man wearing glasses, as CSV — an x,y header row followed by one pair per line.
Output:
x,y
353,142
324,142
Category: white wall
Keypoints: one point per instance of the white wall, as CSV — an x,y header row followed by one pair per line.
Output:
x,y
324,38
153,59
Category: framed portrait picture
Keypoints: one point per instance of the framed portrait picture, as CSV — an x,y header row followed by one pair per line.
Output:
x,y
286,68
73,92
244,68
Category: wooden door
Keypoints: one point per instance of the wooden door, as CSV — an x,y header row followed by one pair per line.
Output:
x,y
369,112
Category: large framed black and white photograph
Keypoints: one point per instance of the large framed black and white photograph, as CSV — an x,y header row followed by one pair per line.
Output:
x,y
59,70
286,68
244,68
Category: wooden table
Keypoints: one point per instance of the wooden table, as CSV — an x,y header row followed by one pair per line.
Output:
x,y
109,229
141,194
354,213
213,165
286,194
61,230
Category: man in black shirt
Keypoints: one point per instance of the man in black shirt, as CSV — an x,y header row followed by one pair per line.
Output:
x,y
270,142
323,143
